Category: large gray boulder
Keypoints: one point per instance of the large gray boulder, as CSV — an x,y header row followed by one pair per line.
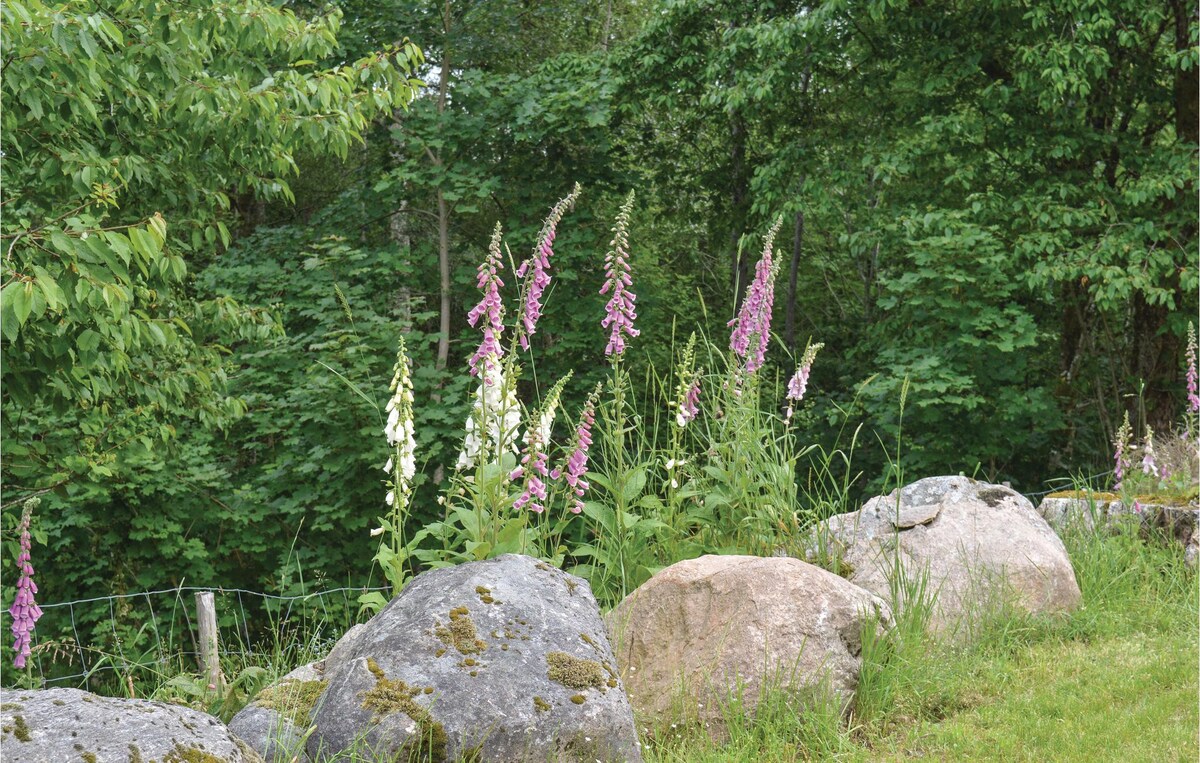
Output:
x,y
978,547
500,660
704,630
40,726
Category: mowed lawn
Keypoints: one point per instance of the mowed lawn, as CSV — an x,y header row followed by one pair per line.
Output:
x,y
1131,698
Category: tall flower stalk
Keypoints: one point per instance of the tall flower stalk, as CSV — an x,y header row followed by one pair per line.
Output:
x,y
402,467
492,424
1148,463
490,309
620,312
618,319
1121,447
798,384
752,326
533,469
576,466
1193,389
687,391
25,611
536,269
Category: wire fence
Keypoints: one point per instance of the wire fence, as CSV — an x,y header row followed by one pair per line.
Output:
x,y
107,639
153,633
1089,480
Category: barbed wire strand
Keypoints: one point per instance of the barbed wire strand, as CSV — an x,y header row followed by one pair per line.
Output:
x,y
89,669
1086,480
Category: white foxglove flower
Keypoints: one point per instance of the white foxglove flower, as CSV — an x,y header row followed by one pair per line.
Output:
x,y
496,409
399,431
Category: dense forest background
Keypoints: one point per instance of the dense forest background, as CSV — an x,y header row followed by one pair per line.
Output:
x,y
991,204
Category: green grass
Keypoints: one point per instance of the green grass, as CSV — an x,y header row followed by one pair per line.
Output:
x,y
1116,680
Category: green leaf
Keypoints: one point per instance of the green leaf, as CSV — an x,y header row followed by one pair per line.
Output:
x,y
88,341
20,299
635,482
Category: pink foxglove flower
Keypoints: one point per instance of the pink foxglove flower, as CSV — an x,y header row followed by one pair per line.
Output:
x,y
536,269
490,309
577,462
1121,456
687,391
689,406
752,326
25,610
620,311
533,468
798,384
1148,464
1193,390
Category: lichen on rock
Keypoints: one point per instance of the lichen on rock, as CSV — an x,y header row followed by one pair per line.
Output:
x,y
293,700
575,672
460,633
390,695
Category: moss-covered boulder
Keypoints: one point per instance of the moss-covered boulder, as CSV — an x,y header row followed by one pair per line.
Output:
x,y
500,660
73,725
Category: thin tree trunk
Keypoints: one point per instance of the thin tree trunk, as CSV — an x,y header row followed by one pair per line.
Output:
x,y
607,26
1187,81
443,208
789,331
739,199
1155,355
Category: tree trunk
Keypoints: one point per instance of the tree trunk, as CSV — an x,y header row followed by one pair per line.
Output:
x,y
443,208
1187,81
398,230
789,330
739,197
1154,361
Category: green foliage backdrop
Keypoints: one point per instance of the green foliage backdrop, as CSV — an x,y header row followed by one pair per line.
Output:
x,y
216,222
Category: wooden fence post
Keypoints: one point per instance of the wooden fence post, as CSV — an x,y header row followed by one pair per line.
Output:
x,y
210,656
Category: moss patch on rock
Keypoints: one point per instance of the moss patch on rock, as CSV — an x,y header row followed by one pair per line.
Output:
x,y
1084,495
293,700
576,672
993,496
391,695
183,754
541,705
460,633
18,729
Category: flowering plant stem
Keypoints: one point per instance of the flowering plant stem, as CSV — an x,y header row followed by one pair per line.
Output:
x,y
619,478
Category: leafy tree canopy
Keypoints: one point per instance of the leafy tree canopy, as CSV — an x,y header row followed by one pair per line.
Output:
x,y
127,128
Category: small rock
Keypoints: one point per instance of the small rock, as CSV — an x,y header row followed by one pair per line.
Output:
x,y
1178,523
